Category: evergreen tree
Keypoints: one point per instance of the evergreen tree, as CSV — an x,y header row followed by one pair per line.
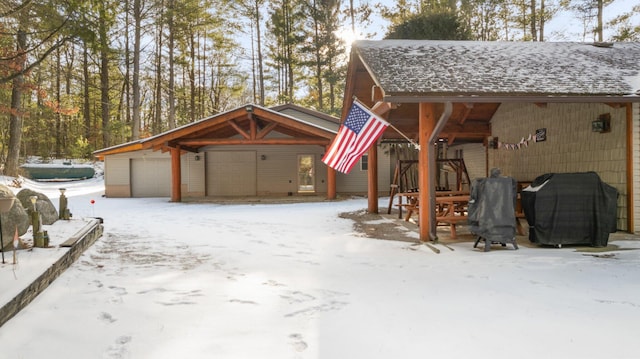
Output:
x,y
437,26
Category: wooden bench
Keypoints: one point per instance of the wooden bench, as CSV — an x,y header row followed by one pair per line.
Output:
x,y
411,206
452,221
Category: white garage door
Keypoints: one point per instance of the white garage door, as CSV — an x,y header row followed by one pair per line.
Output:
x,y
151,177
231,173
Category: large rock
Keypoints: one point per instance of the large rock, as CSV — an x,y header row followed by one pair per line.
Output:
x,y
16,217
47,210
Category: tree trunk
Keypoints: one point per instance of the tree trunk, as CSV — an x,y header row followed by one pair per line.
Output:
x,y
542,20
135,121
15,117
192,77
57,114
86,111
600,26
104,76
172,100
260,67
318,57
534,32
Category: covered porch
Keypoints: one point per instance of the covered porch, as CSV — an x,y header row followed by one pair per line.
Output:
x,y
450,91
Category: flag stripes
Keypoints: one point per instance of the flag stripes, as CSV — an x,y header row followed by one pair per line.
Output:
x,y
358,133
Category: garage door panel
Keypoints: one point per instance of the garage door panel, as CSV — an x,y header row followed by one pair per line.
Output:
x,y
151,177
231,173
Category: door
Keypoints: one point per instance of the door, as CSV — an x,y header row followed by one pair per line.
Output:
x,y
306,174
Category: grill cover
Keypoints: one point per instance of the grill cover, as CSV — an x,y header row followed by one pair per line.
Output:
x,y
570,208
492,209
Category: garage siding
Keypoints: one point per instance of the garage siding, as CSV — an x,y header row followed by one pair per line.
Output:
x,y
117,174
276,168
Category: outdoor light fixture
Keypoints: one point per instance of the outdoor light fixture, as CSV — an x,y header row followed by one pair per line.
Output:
x,y
33,200
602,124
62,191
249,108
263,157
197,158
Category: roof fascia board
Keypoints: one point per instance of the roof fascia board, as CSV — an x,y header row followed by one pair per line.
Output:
x,y
369,71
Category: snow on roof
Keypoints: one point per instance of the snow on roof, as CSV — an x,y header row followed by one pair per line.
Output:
x,y
498,68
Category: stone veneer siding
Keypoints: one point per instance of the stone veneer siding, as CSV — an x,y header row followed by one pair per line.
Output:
x,y
635,138
570,146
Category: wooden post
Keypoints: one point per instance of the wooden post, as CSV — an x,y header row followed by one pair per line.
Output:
x,y
372,179
426,160
380,109
331,182
176,179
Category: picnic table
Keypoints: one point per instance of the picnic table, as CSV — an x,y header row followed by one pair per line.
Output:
x,y
451,207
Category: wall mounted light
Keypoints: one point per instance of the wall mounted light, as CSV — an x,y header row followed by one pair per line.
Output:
x,y
602,124
249,108
196,158
263,157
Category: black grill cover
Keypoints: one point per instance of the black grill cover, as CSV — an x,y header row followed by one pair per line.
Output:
x,y
492,209
570,208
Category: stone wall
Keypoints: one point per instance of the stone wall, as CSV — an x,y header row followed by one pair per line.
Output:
x,y
570,145
85,238
635,154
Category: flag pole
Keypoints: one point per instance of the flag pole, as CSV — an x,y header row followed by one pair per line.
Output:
x,y
412,142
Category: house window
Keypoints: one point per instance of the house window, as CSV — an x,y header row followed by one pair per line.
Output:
x,y
364,163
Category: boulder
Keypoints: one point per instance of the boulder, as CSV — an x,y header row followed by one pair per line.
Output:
x,y
16,217
47,210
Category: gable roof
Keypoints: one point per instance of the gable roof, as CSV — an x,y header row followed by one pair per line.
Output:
x,y
477,77
427,70
245,125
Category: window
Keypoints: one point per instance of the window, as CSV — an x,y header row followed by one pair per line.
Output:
x,y
364,162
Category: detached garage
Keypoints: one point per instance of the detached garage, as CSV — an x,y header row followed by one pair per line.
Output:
x,y
248,151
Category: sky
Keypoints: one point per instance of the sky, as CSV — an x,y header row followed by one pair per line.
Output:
x,y
564,27
205,280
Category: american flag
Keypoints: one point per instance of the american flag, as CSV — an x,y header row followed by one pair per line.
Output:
x,y
358,132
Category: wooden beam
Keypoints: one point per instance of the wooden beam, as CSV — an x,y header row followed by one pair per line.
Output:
x,y
372,179
426,127
241,141
381,109
176,179
265,131
239,129
331,181
252,127
467,110
124,149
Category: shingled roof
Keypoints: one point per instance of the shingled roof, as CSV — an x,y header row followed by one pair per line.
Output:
x,y
415,69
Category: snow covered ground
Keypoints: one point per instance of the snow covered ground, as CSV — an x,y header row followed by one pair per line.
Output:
x,y
204,280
